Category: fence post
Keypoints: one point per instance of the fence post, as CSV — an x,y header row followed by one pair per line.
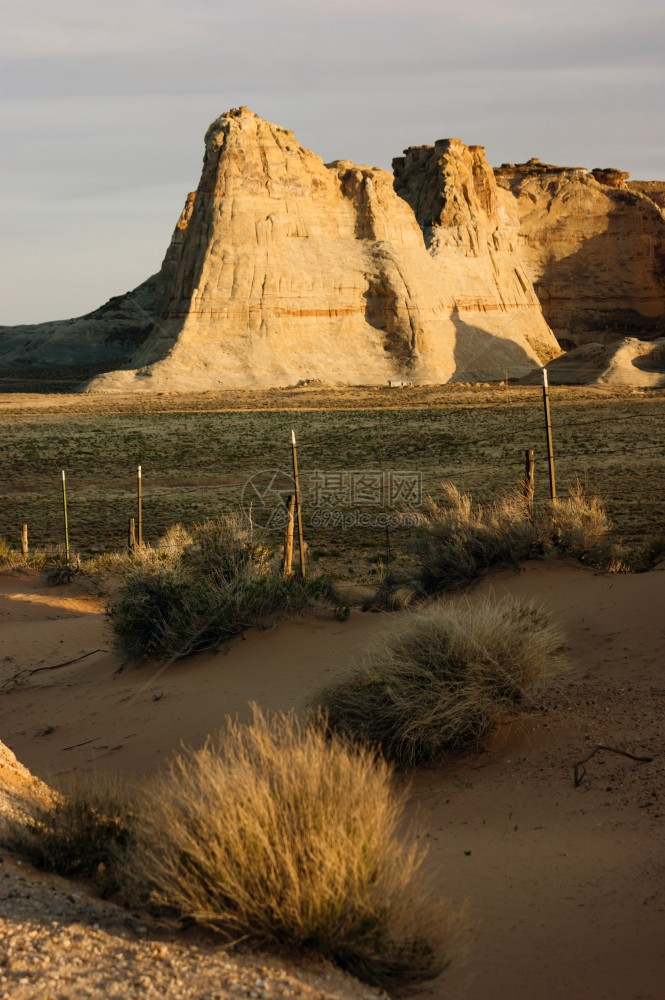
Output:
x,y
548,432
529,476
131,535
24,541
139,498
288,537
296,480
64,512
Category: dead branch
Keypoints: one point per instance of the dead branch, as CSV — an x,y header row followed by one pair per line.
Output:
x,y
65,663
580,769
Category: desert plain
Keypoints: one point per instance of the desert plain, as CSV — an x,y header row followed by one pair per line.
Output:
x,y
198,452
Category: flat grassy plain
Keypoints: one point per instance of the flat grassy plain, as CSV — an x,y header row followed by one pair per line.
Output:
x,y
197,452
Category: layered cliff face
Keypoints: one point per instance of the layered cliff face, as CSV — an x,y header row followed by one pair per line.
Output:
x,y
284,268
471,237
593,244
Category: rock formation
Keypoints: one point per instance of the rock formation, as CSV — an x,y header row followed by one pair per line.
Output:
x,y
593,244
283,268
107,336
627,362
19,789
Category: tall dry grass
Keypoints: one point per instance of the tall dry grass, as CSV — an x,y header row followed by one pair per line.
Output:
x,y
457,540
277,834
576,525
445,679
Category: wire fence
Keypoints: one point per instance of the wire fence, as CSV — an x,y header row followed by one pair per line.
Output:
x,y
197,465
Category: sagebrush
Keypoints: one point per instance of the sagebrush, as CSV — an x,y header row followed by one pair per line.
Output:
x,y
445,679
220,579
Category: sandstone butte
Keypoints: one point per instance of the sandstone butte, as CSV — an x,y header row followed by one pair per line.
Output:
x,y
284,269
593,244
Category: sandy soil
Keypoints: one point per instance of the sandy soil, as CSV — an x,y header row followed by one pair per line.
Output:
x,y
564,885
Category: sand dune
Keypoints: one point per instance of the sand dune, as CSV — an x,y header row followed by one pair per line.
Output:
x,y
564,884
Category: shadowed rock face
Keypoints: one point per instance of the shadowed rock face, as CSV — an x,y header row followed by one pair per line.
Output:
x,y
594,247
107,336
284,268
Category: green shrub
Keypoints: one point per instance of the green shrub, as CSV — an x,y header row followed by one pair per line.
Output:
x,y
223,582
168,614
445,679
279,835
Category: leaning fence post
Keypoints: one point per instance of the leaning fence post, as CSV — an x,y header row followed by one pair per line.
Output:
x,y
24,541
548,432
288,537
296,480
131,535
64,513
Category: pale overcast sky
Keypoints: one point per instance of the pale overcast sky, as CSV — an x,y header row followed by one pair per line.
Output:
x,y
105,106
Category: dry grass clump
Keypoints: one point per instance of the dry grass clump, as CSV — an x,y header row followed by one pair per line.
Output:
x,y
225,548
83,830
109,566
576,525
219,582
276,834
636,559
39,559
445,679
458,540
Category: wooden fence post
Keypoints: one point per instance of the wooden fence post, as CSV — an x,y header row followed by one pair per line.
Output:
x,y
529,484
24,541
64,512
131,535
548,432
296,480
288,537
139,498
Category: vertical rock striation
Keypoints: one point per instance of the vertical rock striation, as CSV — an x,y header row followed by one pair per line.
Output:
x,y
284,268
